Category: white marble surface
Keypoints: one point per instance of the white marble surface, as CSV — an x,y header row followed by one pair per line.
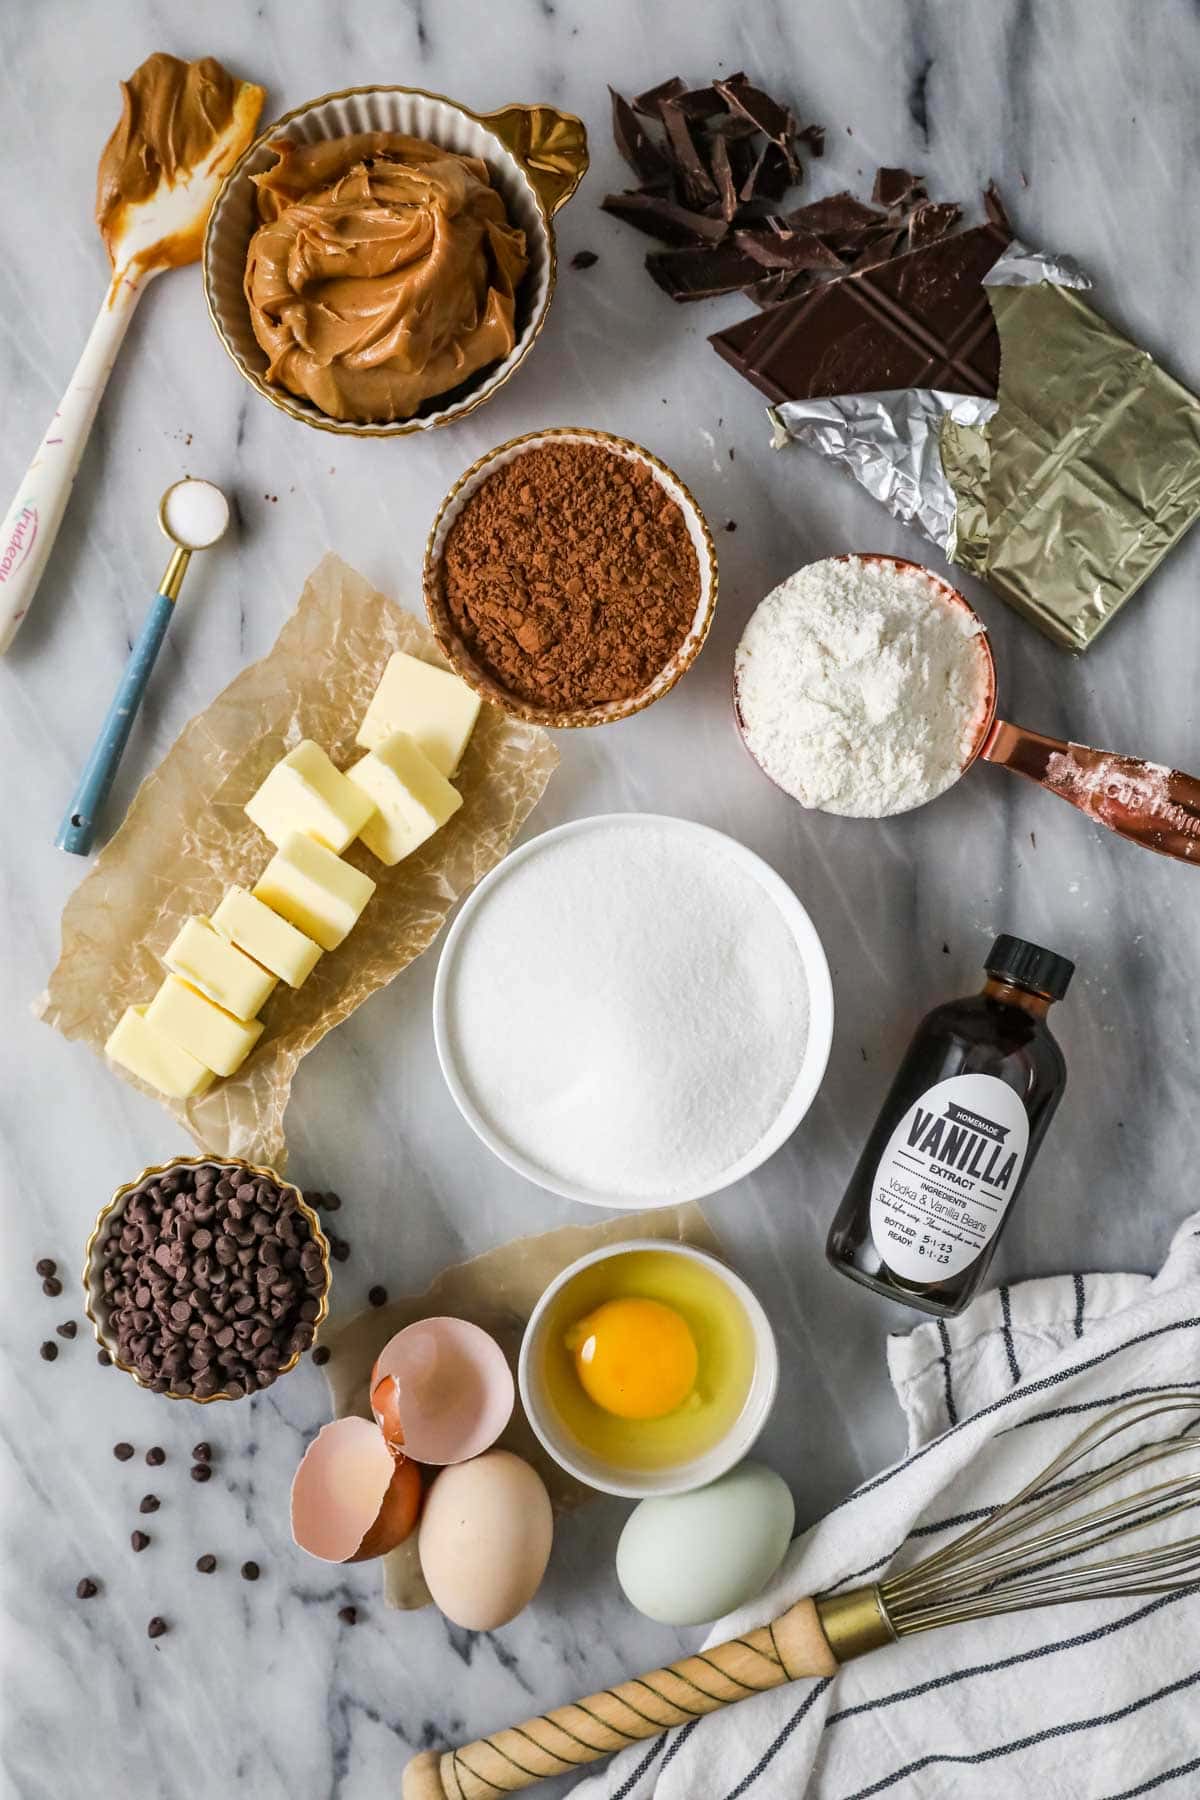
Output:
x,y
1084,111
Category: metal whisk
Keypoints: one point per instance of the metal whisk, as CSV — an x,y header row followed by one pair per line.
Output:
x,y
1026,1553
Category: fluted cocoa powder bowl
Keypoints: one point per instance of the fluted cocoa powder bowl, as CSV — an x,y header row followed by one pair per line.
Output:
x,y
482,679
95,1300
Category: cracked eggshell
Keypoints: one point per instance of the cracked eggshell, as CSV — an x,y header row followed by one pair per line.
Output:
x,y
485,1539
352,1497
442,1391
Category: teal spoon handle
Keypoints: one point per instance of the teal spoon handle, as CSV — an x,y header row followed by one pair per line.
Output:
x,y
79,823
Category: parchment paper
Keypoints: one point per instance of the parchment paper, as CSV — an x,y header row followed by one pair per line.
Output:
x,y
186,839
497,1291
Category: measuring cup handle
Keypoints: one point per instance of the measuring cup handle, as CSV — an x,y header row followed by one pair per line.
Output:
x,y
79,822
1150,805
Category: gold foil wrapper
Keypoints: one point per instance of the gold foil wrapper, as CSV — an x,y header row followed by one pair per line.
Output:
x,y
186,839
1087,475
497,1291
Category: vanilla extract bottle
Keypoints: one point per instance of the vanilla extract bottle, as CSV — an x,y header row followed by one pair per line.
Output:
x,y
957,1136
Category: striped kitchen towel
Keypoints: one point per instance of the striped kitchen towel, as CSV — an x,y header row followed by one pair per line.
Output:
x,y
1095,1701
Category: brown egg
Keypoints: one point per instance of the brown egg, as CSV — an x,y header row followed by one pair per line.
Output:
x,y
485,1539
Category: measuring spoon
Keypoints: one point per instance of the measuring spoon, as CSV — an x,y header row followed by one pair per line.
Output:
x,y
193,514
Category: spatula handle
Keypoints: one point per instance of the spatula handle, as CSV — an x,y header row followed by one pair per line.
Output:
x,y
32,521
572,1736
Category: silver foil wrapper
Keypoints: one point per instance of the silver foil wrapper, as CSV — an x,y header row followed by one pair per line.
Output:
x,y
891,442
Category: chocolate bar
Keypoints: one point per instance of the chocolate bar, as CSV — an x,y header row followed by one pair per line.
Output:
x,y
921,319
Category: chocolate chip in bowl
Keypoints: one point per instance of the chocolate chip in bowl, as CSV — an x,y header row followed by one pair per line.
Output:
x,y
206,1278
570,577
431,212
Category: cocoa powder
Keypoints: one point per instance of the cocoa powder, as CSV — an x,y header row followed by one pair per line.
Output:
x,y
570,576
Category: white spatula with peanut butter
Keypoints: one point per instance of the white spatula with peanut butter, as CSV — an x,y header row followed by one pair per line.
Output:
x,y
182,128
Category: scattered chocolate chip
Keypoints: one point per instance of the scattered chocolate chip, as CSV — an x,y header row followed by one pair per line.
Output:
x,y
328,1202
49,1350
321,1355
46,1267
122,1452
206,1563
52,1286
67,1329
582,259
149,1503
378,1296
348,1615
156,1456
156,1628
104,1359
139,1539
250,1571
202,1452
339,1249
731,524
201,1472
87,1588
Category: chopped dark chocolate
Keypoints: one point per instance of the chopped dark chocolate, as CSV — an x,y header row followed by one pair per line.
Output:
x,y
768,177
701,274
648,104
765,114
813,137
931,220
722,169
663,219
696,103
781,248
835,215
729,149
894,186
636,146
584,259
699,188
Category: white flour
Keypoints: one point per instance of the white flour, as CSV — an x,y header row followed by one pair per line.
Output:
x,y
628,1010
860,688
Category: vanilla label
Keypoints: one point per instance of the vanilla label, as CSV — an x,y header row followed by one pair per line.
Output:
x,y
949,1171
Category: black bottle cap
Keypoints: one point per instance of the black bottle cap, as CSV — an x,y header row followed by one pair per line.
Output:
x,y
1029,966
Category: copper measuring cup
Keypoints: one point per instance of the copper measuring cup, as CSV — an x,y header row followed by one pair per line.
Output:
x,y
1153,806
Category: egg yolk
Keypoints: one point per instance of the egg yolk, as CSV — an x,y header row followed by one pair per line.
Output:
x,y
634,1358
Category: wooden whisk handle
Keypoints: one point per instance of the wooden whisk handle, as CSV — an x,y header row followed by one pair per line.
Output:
x,y
572,1736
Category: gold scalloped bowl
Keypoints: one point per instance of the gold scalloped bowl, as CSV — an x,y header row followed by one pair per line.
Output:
x,y
94,1302
536,156
480,678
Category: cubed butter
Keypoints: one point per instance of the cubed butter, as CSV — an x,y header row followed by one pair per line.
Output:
x,y
411,799
314,890
435,707
157,1060
213,1036
306,793
266,937
208,961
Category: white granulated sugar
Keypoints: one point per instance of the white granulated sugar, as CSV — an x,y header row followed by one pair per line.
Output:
x,y
628,1010
860,687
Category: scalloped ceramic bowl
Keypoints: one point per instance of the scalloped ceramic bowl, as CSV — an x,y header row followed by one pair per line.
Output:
x,y
480,678
537,157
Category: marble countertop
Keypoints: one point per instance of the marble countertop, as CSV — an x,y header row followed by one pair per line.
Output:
x,y
1085,116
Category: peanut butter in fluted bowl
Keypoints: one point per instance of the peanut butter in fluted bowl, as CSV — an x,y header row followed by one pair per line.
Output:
x,y
384,272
